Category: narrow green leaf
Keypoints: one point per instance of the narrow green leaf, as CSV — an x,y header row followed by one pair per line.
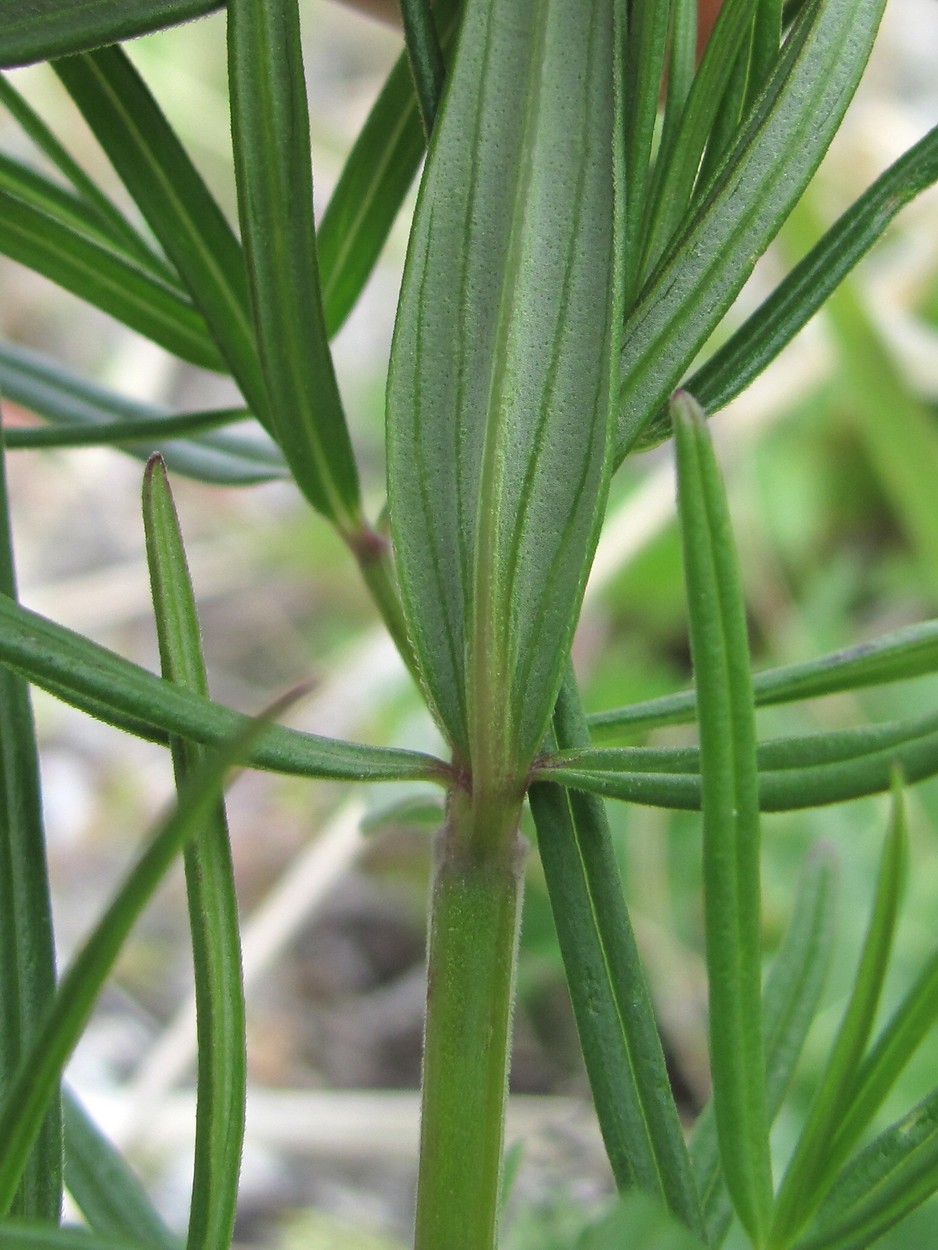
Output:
x,y
21,1235
44,29
426,57
773,325
498,395
682,65
61,397
102,433
108,1193
171,194
210,888
646,42
53,200
27,948
679,162
112,282
790,1001
763,175
108,216
766,38
270,128
615,1018
896,1173
28,1094
897,656
373,183
730,807
812,1164
89,676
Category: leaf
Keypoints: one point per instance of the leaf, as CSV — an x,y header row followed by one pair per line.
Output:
x,y
813,1163
20,1235
44,29
893,1175
373,183
100,1181
796,299
27,945
730,808
789,1003
29,1092
115,690
426,57
172,196
615,1019
210,889
636,1220
270,130
112,282
61,397
764,173
497,396
102,433
911,651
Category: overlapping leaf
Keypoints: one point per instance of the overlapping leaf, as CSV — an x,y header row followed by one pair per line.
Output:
x,y
498,391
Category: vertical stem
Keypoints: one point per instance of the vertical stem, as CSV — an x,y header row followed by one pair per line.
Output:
x,y
475,907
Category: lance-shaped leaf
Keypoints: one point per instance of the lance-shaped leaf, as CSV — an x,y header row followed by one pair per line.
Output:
x,y
270,131
27,950
373,183
730,807
210,889
498,390
71,402
779,146
44,29
897,656
23,1235
121,693
614,1015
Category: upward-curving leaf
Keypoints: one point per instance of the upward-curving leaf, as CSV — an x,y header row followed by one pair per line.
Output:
x,y
498,391
779,146
43,29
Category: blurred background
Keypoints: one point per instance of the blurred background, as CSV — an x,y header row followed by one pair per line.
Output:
x,y
838,537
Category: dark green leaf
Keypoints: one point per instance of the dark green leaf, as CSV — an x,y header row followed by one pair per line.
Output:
x,y
102,433
210,889
615,1018
27,948
43,29
171,194
814,1162
89,676
497,400
426,57
20,1235
897,656
115,283
270,128
762,177
107,1192
730,808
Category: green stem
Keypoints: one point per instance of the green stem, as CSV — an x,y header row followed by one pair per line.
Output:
x,y
475,905
372,552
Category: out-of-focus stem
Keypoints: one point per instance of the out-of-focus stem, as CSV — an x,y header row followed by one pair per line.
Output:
x,y
471,969
372,552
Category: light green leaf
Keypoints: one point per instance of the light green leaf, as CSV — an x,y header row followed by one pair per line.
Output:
x,y
210,889
90,677
107,1192
172,196
813,1163
615,1018
763,175
373,183
790,1001
498,389
27,945
43,29
73,403
111,281
897,656
730,807
270,129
